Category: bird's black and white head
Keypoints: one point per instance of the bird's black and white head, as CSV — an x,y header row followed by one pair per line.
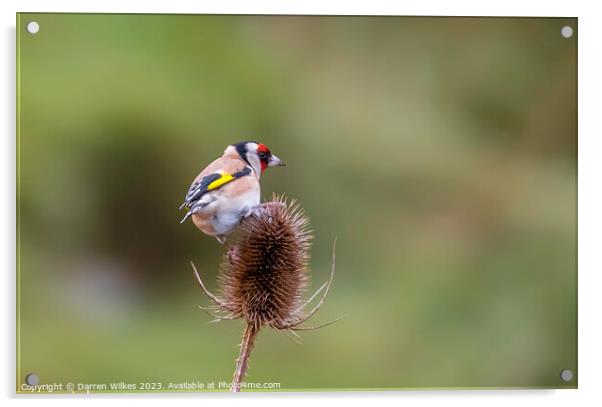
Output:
x,y
257,155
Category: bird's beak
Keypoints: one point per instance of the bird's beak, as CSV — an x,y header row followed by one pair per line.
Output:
x,y
275,161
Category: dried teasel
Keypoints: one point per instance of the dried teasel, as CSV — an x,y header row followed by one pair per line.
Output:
x,y
264,275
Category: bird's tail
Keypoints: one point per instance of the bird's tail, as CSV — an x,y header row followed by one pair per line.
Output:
x,y
188,214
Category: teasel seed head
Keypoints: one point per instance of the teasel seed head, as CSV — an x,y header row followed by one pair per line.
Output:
x,y
265,272
264,275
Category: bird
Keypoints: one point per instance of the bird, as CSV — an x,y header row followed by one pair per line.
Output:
x,y
228,190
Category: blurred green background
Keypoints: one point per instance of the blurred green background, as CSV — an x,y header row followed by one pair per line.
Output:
x,y
440,151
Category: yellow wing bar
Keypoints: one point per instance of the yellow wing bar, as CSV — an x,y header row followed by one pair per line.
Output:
x,y
210,183
223,179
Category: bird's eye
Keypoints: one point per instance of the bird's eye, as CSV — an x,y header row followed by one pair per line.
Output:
x,y
262,155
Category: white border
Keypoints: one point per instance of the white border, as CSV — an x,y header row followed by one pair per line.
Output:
x,y
356,7
590,179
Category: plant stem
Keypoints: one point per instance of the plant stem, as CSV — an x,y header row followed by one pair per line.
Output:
x,y
243,359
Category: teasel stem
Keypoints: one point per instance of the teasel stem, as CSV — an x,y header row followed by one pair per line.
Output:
x,y
246,346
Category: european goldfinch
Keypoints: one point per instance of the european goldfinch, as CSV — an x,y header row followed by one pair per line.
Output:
x,y
227,190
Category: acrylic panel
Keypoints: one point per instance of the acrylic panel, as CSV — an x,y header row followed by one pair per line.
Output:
x,y
437,154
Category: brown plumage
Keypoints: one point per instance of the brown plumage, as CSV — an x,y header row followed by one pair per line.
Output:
x,y
265,274
205,220
229,163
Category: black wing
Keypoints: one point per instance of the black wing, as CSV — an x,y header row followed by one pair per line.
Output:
x,y
209,183
198,189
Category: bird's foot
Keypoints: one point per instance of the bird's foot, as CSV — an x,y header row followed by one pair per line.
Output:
x,y
262,208
232,253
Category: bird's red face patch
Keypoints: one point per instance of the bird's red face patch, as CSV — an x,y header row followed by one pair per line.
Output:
x,y
262,148
264,156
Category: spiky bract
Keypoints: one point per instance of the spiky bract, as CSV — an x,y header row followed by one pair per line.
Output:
x,y
265,272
